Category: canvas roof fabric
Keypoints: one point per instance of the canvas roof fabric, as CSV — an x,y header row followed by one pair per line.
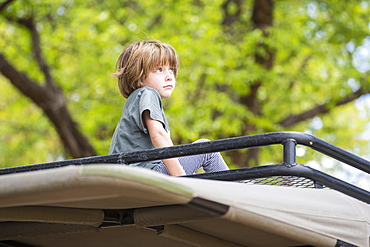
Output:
x,y
68,206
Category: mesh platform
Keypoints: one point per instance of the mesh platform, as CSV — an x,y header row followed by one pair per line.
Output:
x,y
290,181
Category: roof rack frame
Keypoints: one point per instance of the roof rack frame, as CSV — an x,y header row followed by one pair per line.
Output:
x,y
289,140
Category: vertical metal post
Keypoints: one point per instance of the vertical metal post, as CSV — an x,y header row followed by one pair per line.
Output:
x,y
289,152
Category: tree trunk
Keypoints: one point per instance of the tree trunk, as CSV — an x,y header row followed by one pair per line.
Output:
x,y
262,18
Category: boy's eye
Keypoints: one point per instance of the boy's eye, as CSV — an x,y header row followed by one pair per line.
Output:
x,y
159,69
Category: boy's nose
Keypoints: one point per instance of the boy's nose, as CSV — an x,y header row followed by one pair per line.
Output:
x,y
169,76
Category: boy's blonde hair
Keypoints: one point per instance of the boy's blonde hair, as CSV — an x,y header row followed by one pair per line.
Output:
x,y
138,59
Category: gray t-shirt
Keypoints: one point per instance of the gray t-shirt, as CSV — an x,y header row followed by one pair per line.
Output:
x,y
131,134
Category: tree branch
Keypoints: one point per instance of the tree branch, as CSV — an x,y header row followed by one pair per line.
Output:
x,y
262,16
229,17
320,109
54,106
5,4
36,48
21,81
48,97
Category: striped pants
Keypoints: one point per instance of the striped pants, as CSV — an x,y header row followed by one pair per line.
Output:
x,y
210,162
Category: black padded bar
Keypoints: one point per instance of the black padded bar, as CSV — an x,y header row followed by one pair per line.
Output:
x,y
208,147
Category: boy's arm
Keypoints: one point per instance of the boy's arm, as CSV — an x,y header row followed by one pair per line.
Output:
x,y
160,138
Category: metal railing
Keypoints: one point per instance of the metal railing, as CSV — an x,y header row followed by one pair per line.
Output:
x,y
289,167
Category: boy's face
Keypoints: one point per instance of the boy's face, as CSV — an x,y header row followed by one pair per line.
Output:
x,y
161,79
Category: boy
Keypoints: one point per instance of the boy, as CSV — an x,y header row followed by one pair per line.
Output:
x,y
147,72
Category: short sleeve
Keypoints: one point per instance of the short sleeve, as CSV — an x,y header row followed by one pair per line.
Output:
x,y
150,100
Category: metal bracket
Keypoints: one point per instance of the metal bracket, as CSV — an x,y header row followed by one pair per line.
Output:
x,y
289,152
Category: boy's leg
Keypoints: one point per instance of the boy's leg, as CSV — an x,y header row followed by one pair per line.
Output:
x,y
211,162
189,163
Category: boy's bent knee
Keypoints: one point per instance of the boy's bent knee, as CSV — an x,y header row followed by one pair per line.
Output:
x,y
202,140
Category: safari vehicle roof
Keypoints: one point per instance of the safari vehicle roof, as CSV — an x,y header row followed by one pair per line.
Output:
x,y
117,205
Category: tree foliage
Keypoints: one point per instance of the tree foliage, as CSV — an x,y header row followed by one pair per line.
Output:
x,y
247,67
